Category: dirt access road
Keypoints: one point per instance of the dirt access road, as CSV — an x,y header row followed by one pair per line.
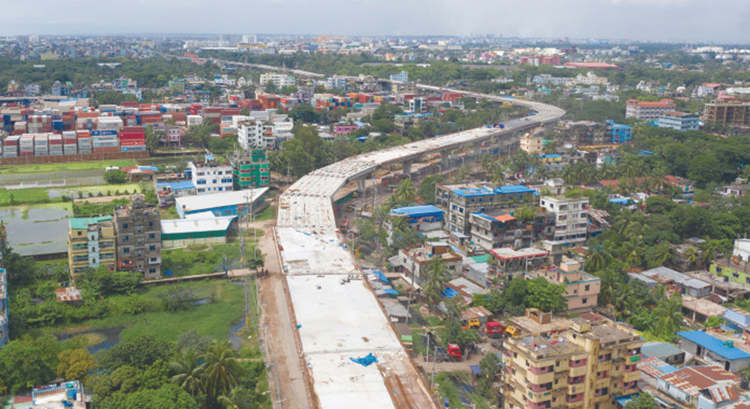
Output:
x,y
276,321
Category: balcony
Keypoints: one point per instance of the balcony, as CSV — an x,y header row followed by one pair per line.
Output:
x,y
541,405
578,363
540,371
575,398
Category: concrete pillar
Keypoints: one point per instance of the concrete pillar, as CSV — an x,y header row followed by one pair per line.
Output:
x,y
407,167
361,184
477,150
444,159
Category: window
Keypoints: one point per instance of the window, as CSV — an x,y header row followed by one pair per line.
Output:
x,y
152,271
152,248
735,275
584,301
126,250
126,238
586,287
151,236
124,225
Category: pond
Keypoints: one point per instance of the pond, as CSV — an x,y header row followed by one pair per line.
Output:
x,y
107,337
234,333
25,224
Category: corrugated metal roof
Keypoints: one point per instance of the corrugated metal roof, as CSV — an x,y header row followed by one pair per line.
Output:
x,y
721,393
660,350
418,211
694,379
196,226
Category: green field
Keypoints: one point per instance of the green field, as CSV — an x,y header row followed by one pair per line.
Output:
x,y
64,167
41,194
213,319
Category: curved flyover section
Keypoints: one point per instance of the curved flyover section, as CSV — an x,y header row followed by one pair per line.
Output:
x,y
339,319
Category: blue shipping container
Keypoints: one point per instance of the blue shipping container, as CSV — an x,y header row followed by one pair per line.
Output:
x,y
103,132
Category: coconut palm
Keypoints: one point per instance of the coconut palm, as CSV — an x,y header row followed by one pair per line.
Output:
x,y
668,315
189,372
405,191
632,252
222,370
710,249
597,259
238,398
691,256
665,254
436,276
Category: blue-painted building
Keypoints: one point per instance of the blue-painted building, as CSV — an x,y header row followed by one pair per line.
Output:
x,y
421,218
234,203
619,133
714,350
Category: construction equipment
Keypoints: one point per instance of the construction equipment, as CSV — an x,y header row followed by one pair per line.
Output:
x,y
512,331
473,323
495,329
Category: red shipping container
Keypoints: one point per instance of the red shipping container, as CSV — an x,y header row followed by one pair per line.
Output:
x,y
129,104
133,129
132,143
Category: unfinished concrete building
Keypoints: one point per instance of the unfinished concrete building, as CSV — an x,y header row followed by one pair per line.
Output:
x,y
728,113
138,228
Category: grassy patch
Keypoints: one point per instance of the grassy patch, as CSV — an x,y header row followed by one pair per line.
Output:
x,y
25,196
64,167
213,319
169,213
198,260
105,190
269,213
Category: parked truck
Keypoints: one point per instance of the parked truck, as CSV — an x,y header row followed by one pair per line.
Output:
x,y
495,329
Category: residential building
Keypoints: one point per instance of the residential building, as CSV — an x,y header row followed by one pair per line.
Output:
x,y
211,176
500,228
683,283
31,90
336,82
703,387
251,170
167,191
739,188
279,80
91,243
506,262
581,288
553,161
714,351
735,269
420,218
664,351
679,121
619,133
4,314
648,110
138,230
741,249
532,144
223,203
461,200
417,105
727,113
403,87
537,60
737,321
571,217
414,261
587,366
403,76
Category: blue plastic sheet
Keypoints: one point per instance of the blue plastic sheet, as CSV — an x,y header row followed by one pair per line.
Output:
x,y
366,360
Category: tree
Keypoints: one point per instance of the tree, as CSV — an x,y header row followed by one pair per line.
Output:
x,y
239,398
166,397
305,113
705,169
427,188
436,277
193,340
25,363
75,364
665,255
643,401
138,353
405,191
222,370
546,296
668,315
115,177
188,372
597,259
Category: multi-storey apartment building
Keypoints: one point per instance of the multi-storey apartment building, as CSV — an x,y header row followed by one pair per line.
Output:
x,y
91,243
279,80
211,176
581,288
679,121
138,229
4,332
587,367
571,217
491,230
732,113
648,110
461,201
532,144
251,170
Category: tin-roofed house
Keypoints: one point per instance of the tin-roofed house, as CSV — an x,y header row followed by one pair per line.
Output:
x,y
663,351
714,350
420,218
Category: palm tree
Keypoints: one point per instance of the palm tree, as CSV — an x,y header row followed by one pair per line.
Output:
x,y
437,275
691,256
710,251
665,254
668,316
632,251
222,372
189,373
550,147
623,220
238,398
405,191
597,259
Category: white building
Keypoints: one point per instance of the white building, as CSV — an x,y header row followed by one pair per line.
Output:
x,y
403,76
742,249
279,80
335,82
571,217
256,134
211,176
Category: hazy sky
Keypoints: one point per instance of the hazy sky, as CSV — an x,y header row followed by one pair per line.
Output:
x,y
681,20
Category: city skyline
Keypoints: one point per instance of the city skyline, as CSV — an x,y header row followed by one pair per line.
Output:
x,y
655,20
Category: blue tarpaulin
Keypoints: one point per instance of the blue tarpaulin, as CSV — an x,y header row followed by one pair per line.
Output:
x,y
475,369
390,291
380,276
449,293
366,360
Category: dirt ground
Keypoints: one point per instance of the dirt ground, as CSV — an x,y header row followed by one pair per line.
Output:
x,y
276,321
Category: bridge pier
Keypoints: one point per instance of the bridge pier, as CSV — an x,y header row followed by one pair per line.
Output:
x,y
445,159
361,183
407,167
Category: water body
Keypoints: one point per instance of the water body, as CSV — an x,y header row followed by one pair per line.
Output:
x,y
111,338
234,337
37,229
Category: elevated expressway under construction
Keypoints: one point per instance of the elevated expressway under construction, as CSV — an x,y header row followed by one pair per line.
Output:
x,y
337,319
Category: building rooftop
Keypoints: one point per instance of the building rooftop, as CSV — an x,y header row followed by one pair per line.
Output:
x,y
714,345
666,275
507,253
82,223
654,366
196,226
694,379
418,211
473,192
213,200
660,350
182,185
607,334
